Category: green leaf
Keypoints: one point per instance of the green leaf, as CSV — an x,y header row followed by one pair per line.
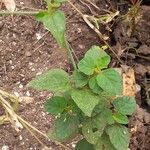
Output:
x,y
80,79
104,103
55,23
120,118
41,15
93,129
99,56
85,100
74,109
65,128
99,108
94,86
125,105
90,132
87,66
55,80
119,136
105,116
104,143
94,60
55,105
84,145
110,81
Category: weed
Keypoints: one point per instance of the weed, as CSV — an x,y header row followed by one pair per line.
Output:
x,y
89,102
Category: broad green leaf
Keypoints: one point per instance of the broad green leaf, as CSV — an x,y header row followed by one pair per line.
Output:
x,y
87,66
99,56
104,143
99,108
93,129
55,105
94,86
65,128
110,81
74,109
67,94
85,100
105,116
94,60
119,136
55,80
108,97
104,104
105,99
80,79
90,132
55,23
125,105
84,145
120,118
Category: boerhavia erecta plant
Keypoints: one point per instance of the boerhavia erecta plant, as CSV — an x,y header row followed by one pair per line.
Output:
x,y
88,102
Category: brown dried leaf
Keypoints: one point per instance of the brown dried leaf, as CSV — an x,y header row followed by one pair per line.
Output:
x,y
130,88
129,85
9,4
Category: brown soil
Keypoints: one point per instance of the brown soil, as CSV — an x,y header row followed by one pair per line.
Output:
x,y
22,57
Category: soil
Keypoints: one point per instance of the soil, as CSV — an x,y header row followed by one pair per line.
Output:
x,y
23,56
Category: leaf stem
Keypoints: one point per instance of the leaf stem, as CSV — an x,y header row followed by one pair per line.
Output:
x,y
70,51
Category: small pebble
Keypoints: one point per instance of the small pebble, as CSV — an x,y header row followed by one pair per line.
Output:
x,y
10,61
28,93
16,94
20,86
20,137
21,3
39,73
33,69
30,63
38,36
5,147
28,54
73,145
12,67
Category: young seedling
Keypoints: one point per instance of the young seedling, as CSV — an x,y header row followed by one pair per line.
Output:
x,y
88,102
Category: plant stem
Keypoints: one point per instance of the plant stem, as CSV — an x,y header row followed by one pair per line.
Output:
x,y
70,55
19,12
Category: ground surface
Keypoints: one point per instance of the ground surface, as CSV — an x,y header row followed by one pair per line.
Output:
x,y
22,57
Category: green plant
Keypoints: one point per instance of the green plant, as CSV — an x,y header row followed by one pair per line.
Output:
x,y
89,102
55,22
